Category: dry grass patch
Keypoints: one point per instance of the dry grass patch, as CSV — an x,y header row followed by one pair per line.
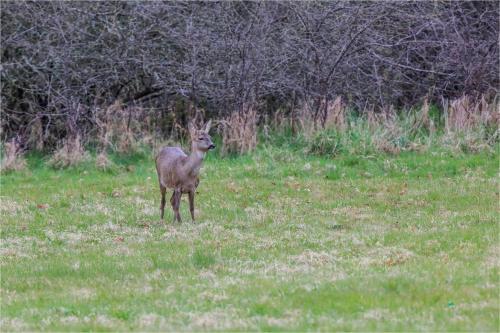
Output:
x,y
314,259
21,247
150,320
386,256
12,325
13,157
239,131
71,153
9,206
121,125
102,161
464,113
218,319
83,293
355,213
492,259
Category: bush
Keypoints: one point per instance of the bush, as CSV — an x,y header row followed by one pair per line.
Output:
x,y
326,142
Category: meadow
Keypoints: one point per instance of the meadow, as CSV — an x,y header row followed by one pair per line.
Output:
x,y
282,241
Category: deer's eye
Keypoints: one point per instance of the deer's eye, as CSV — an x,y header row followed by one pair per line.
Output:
x,y
201,139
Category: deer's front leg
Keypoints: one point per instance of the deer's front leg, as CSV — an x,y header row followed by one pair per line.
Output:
x,y
191,204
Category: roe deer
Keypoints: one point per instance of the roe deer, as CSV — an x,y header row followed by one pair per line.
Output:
x,y
179,172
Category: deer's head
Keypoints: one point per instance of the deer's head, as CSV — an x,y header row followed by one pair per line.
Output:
x,y
200,138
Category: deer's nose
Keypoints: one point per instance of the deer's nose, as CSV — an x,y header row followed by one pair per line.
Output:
x,y
212,146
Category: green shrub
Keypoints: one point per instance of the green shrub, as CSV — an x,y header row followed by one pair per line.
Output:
x,y
326,142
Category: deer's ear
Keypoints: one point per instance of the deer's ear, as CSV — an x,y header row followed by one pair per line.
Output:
x,y
207,126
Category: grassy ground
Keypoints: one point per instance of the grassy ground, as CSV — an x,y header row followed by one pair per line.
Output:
x,y
282,242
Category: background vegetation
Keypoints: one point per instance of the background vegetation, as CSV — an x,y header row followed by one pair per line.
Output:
x,y
71,68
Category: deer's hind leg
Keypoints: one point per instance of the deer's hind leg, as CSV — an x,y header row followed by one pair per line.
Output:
x,y
163,190
175,200
191,204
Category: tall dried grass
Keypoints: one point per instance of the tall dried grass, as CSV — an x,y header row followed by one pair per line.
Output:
x,y
13,159
464,114
471,125
464,124
328,114
102,161
123,128
423,120
239,131
71,153
335,114
36,138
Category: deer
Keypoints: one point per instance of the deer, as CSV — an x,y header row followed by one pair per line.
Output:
x,y
179,172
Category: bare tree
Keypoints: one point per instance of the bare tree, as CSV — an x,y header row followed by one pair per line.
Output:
x,y
64,62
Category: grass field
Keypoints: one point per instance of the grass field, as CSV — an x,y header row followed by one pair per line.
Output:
x,y
282,242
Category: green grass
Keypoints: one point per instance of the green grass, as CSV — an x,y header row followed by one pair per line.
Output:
x,y
283,241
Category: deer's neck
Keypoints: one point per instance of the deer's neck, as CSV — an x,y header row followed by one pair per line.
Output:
x,y
194,161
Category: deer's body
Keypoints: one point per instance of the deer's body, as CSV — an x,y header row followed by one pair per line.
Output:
x,y
179,171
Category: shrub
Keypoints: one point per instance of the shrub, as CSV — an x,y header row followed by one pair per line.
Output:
x,y
326,142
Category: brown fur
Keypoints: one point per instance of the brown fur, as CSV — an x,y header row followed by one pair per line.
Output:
x,y
178,171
